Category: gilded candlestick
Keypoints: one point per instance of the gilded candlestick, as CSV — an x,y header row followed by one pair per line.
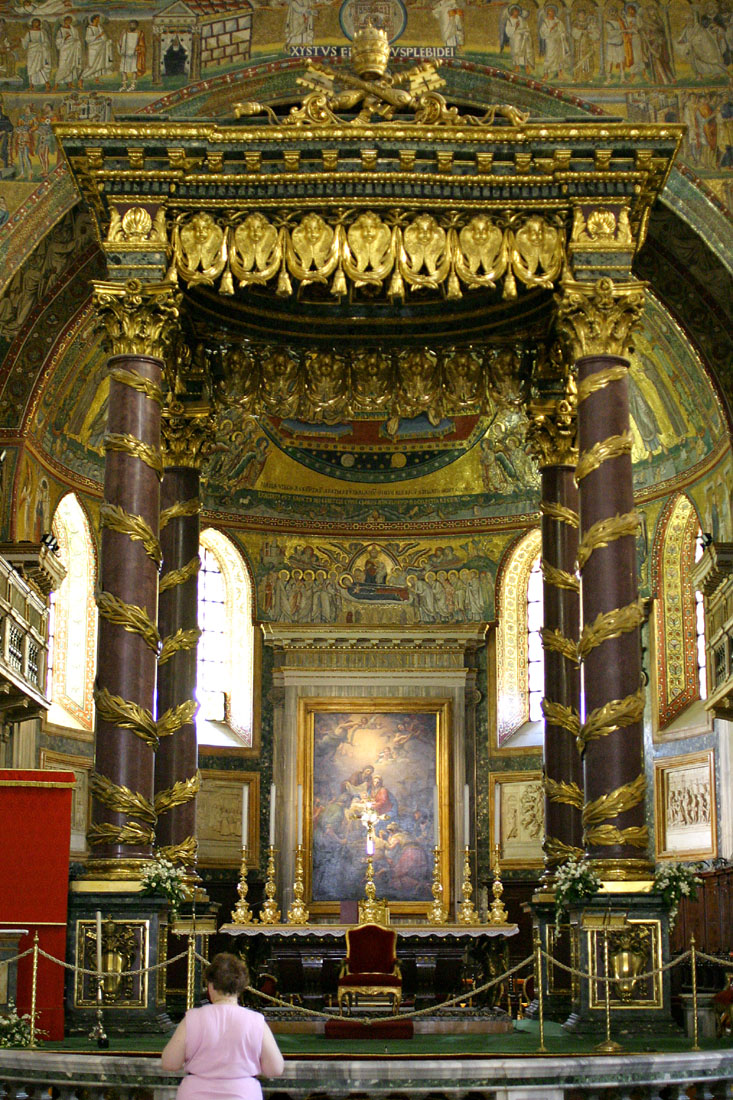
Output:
x,y
437,913
270,913
466,912
370,911
497,913
297,913
242,914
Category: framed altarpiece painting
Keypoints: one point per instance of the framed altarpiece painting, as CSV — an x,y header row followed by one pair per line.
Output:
x,y
389,756
684,797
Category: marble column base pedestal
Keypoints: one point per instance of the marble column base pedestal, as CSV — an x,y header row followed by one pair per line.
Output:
x,y
637,928
556,941
131,940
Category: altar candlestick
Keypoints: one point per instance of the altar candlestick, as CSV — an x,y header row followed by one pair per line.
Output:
x,y
466,818
272,815
99,941
245,815
300,815
436,821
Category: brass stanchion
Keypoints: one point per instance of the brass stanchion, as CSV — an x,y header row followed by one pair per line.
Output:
x,y
297,913
191,970
270,913
538,983
693,963
34,989
608,1046
242,914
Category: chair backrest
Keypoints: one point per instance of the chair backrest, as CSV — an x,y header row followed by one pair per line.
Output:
x,y
371,948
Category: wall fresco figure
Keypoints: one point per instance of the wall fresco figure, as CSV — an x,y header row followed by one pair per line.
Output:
x,y
38,56
514,31
299,23
554,42
131,48
450,21
614,43
99,47
656,46
633,65
585,35
699,46
70,54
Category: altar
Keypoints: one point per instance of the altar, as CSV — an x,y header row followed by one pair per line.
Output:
x,y
438,962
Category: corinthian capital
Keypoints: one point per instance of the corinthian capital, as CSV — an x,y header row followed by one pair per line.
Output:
x,y
598,318
186,433
137,318
552,430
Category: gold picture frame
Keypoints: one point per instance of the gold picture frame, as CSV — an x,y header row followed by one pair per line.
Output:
x,y
406,744
517,818
684,804
219,818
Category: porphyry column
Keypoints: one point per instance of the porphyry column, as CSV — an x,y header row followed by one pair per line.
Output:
x,y
177,780
552,439
598,318
138,321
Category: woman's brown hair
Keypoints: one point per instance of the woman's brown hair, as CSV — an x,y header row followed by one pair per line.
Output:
x,y
227,973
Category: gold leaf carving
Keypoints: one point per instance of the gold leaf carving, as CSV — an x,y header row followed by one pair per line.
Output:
x,y
121,799
129,616
179,510
610,624
598,318
558,714
174,577
175,717
199,249
255,250
559,512
560,578
606,531
607,835
559,643
185,790
184,852
592,383
137,318
615,802
612,716
595,456
557,851
133,832
182,639
424,259
126,715
139,530
138,383
560,791
129,445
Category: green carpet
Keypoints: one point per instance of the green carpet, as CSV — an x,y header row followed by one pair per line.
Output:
x,y
523,1041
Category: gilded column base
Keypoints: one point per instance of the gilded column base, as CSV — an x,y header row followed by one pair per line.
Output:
x,y
110,875
623,870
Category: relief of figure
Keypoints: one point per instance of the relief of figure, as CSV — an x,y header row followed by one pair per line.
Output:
x,y
281,384
372,386
554,42
515,32
419,389
325,387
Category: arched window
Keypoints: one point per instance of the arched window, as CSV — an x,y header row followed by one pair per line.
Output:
x,y
519,656
225,661
679,626
73,621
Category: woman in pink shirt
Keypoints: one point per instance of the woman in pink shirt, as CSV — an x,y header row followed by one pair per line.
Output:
x,y
221,1046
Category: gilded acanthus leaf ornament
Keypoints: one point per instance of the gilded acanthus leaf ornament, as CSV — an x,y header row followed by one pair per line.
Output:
x,y
598,318
185,433
390,253
137,318
552,429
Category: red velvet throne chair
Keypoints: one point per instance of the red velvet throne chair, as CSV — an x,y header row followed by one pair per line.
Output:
x,y
370,972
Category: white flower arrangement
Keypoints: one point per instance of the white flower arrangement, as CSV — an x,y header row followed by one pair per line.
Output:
x,y
15,1030
164,877
574,882
675,881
